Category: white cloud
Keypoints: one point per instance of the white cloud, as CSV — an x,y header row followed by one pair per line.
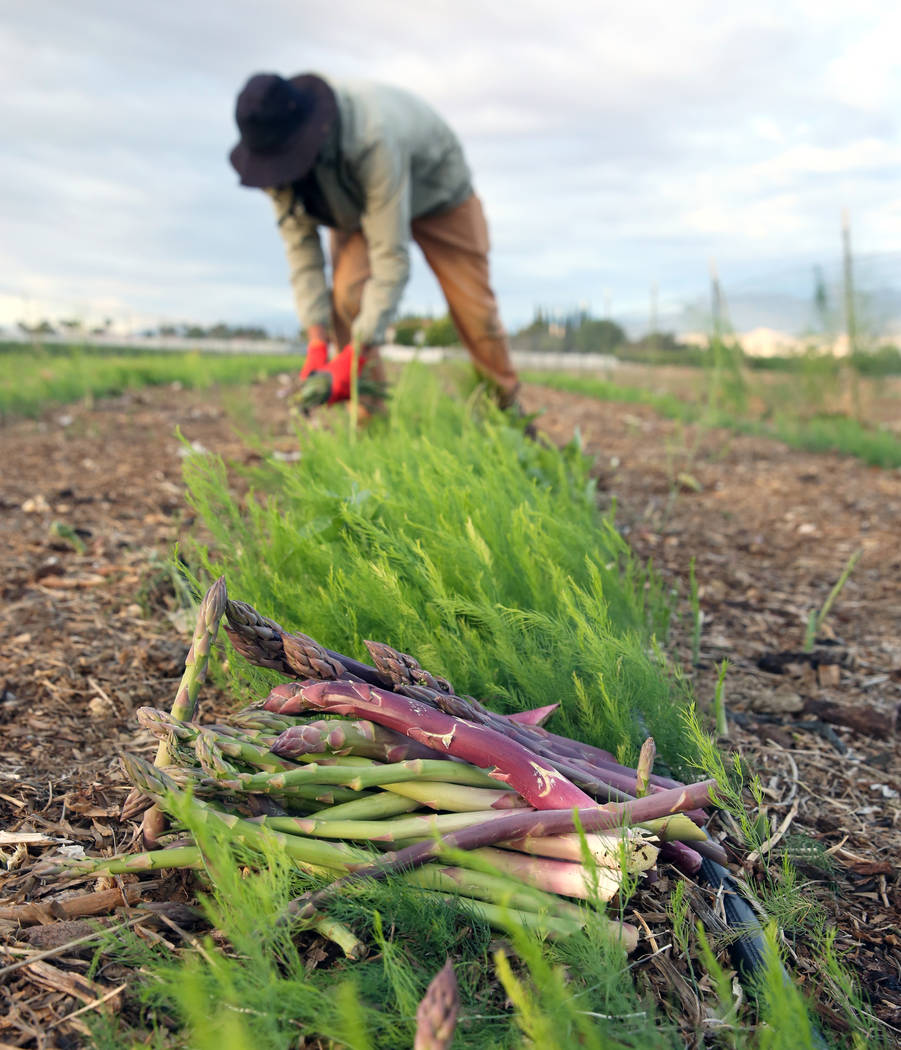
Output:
x,y
613,144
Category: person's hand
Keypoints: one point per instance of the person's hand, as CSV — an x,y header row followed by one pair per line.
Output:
x,y
331,382
340,368
317,357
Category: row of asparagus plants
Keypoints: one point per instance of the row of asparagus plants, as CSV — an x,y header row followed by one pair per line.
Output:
x,y
401,774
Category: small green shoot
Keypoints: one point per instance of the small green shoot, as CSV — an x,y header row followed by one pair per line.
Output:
x,y
719,702
697,615
816,619
63,531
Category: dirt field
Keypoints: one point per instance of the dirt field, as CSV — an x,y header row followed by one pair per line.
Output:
x,y
91,628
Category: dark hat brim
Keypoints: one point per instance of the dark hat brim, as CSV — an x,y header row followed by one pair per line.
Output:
x,y
297,152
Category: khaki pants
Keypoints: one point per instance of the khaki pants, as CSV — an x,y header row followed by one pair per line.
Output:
x,y
455,245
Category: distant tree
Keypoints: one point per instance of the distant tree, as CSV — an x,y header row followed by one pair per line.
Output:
x,y
657,343
43,327
405,329
441,332
594,336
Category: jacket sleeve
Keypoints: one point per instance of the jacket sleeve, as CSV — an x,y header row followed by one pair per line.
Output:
x,y
306,261
385,174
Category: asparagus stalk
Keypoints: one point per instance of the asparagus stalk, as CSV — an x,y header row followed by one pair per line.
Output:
x,y
123,864
307,658
457,798
255,717
341,737
187,858
596,756
539,783
410,679
564,877
555,876
260,641
462,739
495,889
360,776
312,854
184,706
402,669
421,826
209,614
608,850
372,807
683,857
517,825
210,757
598,780
160,724
547,925
205,786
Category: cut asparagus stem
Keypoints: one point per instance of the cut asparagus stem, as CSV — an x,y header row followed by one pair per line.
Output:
x,y
341,935
555,876
683,857
517,825
610,850
643,769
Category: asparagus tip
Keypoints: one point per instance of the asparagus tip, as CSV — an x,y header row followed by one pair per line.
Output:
x,y
436,1016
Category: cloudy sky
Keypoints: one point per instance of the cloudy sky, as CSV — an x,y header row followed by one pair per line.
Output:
x,y
616,146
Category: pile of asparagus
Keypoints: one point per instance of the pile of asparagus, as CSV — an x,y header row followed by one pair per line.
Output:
x,y
360,770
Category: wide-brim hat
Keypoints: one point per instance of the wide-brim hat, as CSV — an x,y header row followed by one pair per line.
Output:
x,y
283,124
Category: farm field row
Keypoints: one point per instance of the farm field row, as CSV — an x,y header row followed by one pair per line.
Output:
x,y
781,542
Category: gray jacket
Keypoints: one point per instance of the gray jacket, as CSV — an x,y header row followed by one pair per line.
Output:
x,y
392,160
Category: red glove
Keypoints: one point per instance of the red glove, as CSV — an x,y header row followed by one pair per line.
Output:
x,y
317,357
339,368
